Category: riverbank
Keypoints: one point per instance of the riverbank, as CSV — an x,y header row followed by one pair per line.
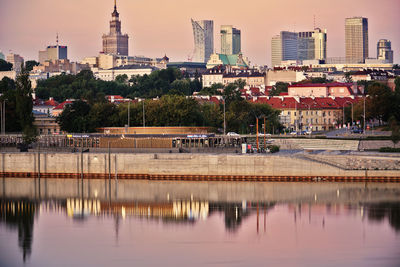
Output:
x,y
201,167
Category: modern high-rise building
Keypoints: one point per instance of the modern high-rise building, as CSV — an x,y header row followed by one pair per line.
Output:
x,y
284,47
384,51
2,56
230,40
356,37
115,42
312,45
53,52
203,33
17,61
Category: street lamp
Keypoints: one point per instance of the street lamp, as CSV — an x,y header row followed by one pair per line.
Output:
x,y
3,115
352,118
309,113
224,116
144,117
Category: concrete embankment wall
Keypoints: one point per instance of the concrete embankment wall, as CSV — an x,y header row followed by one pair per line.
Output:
x,y
177,164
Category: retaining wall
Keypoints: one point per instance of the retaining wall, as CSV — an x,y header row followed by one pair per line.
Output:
x,y
228,165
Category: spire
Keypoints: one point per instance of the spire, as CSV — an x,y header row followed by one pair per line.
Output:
x,y
115,13
57,38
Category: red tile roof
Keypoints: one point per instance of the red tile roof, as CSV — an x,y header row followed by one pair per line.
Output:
x,y
62,105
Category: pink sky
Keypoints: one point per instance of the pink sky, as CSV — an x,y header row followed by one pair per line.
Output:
x,y
163,26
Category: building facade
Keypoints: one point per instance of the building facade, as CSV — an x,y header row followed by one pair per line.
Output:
x,y
230,40
129,70
53,52
16,60
203,33
115,42
284,47
384,51
356,39
312,45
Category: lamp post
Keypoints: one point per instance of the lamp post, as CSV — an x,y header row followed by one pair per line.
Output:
x,y
352,118
224,116
309,113
3,116
129,112
144,117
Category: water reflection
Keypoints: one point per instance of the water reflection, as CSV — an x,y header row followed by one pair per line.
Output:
x,y
23,201
19,215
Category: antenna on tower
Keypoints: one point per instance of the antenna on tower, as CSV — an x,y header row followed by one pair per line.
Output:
x,y
314,21
57,38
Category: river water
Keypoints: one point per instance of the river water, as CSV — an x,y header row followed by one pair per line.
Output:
x,y
51,222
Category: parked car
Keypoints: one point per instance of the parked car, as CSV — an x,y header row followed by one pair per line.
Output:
x,y
232,134
357,130
293,133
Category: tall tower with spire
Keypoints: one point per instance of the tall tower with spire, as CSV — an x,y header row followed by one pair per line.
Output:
x,y
115,43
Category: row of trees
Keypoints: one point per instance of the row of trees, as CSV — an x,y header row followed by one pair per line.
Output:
x,y
85,86
381,104
169,110
17,96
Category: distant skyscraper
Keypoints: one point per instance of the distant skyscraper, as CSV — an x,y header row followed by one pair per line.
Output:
x,y
115,42
2,56
53,52
384,51
356,36
230,40
203,32
312,45
284,47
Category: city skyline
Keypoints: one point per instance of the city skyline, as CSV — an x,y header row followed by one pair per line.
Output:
x,y
167,29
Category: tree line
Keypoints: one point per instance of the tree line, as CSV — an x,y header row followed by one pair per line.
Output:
x,y
84,85
169,110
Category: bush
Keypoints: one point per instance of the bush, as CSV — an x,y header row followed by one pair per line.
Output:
x,y
274,148
389,149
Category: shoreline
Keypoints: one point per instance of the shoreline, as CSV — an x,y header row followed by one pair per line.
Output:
x,y
298,167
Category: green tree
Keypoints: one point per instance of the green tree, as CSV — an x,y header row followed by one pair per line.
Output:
x,y
24,106
240,83
75,118
8,96
30,64
395,128
5,66
348,78
379,103
122,78
278,88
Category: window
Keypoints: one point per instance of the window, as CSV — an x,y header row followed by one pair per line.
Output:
x,y
288,112
329,113
295,113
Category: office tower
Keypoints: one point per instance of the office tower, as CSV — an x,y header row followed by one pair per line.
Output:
x,y
384,51
312,45
284,47
230,40
53,52
203,33
2,56
16,60
115,42
356,36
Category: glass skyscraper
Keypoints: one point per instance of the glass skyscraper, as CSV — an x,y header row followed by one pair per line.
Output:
x,y
230,40
356,38
203,33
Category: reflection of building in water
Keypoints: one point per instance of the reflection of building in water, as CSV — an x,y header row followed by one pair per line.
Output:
x,y
179,209
20,215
